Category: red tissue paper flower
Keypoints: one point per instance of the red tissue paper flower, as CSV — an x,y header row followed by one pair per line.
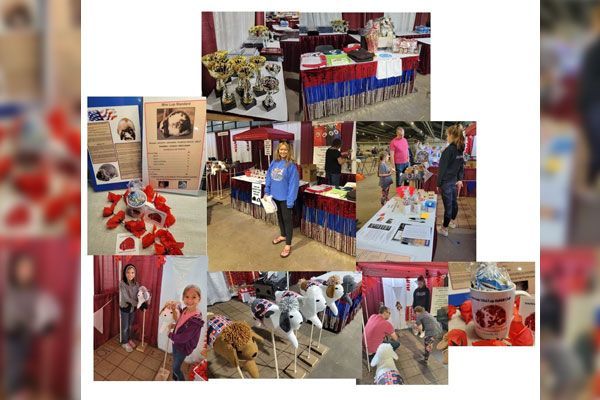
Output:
x,y
457,337
127,244
466,311
114,198
149,190
115,220
519,334
451,311
108,211
148,240
171,246
137,227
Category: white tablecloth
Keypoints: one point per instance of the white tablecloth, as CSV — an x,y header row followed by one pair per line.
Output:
x,y
425,41
377,234
279,113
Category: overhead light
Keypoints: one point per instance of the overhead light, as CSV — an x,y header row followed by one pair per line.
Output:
x,y
382,124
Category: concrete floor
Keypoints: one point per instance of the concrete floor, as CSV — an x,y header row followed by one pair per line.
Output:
x,y
341,361
412,371
460,245
239,242
413,107
113,363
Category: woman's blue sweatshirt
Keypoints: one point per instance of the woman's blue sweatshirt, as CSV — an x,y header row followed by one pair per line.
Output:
x,y
282,182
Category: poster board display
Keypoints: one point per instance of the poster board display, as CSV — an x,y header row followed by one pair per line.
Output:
x,y
323,136
174,139
114,134
439,298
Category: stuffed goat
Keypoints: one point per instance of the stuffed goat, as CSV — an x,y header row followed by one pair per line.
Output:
x,y
387,373
143,297
235,341
349,285
284,316
311,303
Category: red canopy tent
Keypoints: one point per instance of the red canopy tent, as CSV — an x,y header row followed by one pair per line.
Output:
x,y
261,134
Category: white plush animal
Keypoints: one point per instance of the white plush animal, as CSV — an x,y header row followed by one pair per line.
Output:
x,y
333,291
311,303
283,317
143,297
387,373
166,318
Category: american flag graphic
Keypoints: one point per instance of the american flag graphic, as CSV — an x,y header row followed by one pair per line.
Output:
x,y
108,114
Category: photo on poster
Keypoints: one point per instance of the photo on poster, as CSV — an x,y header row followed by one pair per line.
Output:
x,y
175,123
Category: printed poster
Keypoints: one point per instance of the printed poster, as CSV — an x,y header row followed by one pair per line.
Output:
x,y
323,136
174,144
114,143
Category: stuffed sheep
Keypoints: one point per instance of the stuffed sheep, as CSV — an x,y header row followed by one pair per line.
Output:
x,y
284,316
387,373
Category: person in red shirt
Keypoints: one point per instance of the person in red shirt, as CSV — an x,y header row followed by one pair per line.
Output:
x,y
379,330
399,153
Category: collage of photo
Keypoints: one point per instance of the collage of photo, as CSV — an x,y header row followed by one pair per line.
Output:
x,y
301,218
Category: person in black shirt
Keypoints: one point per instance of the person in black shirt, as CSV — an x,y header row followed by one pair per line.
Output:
x,y
450,175
421,295
334,159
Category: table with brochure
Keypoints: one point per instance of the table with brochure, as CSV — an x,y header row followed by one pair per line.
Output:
x,y
401,231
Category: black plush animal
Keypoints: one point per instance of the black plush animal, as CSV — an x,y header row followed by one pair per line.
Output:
x,y
106,172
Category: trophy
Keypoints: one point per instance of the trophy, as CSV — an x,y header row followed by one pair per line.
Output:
x,y
245,72
258,62
209,60
236,62
221,70
271,83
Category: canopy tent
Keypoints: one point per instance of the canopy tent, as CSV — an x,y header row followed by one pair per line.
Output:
x,y
261,134
470,133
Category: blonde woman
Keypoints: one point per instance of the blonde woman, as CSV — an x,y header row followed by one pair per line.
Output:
x,y
450,175
282,183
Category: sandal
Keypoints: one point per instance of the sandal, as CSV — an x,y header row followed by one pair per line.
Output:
x,y
277,240
285,253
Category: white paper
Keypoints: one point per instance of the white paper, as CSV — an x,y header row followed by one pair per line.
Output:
x,y
256,193
416,232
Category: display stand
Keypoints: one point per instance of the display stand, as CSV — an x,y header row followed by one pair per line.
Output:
x,y
142,347
362,318
275,354
306,356
293,370
321,349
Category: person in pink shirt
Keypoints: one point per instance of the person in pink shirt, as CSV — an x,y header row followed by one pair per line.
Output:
x,y
399,153
379,330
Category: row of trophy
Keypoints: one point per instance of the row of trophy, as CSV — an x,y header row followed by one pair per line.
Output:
x,y
223,68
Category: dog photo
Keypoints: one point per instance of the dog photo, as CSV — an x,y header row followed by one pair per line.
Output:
x,y
126,130
175,123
